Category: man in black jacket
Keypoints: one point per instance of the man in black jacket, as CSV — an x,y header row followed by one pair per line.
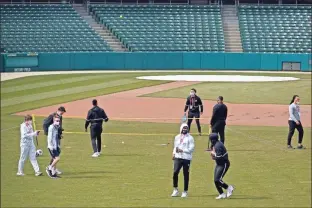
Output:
x,y
196,108
49,120
96,116
218,118
220,155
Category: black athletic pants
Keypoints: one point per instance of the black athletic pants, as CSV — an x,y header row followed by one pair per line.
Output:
x,y
96,139
178,164
292,127
191,115
218,128
220,171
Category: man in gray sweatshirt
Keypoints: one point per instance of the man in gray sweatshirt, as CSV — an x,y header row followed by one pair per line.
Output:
x,y
294,122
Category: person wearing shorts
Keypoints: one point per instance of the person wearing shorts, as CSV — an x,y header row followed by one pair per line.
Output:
x,y
54,147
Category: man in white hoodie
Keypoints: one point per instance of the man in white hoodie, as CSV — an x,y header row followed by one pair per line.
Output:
x,y
28,148
182,156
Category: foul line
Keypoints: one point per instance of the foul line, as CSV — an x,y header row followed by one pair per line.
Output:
x,y
120,118
126,133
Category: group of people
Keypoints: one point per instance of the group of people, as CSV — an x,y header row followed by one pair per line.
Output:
x,y
183,149
53,129
183,144
195,108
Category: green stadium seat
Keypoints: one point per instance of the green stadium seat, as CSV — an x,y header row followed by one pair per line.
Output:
x,y
163,27
285,29
46,28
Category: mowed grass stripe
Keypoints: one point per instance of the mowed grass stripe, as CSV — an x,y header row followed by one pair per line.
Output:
x,y
37,79
59,86
253,92
53,82
77,96
64,92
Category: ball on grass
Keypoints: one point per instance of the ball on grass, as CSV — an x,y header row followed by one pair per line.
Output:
x,y
39,152
121,16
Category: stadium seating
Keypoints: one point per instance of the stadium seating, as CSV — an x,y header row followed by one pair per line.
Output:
x,y
164,27
276,28
47,28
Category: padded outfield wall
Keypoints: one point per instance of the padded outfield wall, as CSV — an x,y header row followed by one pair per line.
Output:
x,y
152,61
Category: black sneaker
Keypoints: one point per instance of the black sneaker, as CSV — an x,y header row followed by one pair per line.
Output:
x,y
290,147
49,172
56,176
300,147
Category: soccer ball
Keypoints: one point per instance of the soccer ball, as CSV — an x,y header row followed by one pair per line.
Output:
x,y
39,152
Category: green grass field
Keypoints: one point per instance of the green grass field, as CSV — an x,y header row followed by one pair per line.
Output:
x,y
138,173
262,93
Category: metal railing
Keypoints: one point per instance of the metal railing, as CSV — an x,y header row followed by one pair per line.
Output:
x,y
34,2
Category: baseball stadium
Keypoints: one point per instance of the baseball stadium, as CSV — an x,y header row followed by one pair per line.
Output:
x,y
156,103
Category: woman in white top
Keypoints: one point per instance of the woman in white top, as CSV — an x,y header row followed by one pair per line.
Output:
x,y
28,148
294,122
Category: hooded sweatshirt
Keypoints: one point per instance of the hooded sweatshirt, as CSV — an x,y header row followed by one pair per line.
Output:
x,y
53,138
184,142
27,134
95,116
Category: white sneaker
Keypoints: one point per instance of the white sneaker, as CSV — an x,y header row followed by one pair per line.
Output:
x,y
20,174
38,174
95,154
229,191
99,153
58,172
221,196
175,193
184,194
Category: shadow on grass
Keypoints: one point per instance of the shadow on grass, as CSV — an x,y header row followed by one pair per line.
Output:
x,y
124,155
232,197
245,150
89,172
248,197
86,176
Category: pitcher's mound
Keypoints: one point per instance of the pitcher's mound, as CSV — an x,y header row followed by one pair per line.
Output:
x,y
219,78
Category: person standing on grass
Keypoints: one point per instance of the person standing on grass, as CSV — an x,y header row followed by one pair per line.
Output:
x,y
54,146
220,155
96,116
294,122
195,109
182,156
218,119
28,148
49,121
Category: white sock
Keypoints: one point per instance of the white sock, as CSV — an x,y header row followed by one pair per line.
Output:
x,y
50,167
53,171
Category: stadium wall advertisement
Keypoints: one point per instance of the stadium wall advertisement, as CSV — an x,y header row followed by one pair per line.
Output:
x,y
152,61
